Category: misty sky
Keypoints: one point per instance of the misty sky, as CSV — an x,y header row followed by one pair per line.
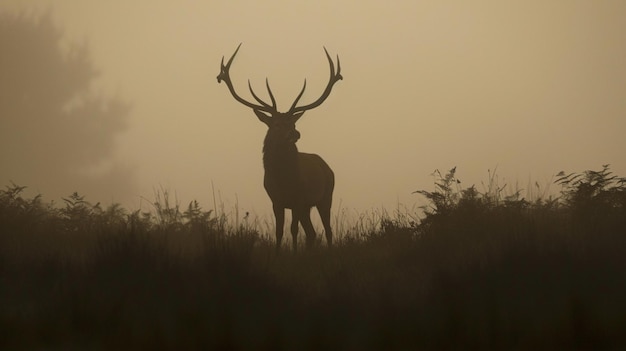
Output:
x,y
529,87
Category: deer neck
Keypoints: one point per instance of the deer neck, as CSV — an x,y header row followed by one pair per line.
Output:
x,y
280,159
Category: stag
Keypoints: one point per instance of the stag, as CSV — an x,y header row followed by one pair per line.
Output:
x,y
293,180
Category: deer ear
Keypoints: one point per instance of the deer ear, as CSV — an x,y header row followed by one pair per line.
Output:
x,y
297,116
263,117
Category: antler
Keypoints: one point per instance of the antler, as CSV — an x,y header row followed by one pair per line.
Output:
x,y
225,76
272,109
334,78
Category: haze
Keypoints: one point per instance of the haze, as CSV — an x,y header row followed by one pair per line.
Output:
x,y
529,87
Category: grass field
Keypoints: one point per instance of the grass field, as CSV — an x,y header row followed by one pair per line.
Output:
x,y
476,270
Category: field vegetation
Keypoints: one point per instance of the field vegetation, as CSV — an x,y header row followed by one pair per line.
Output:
x,y
477,269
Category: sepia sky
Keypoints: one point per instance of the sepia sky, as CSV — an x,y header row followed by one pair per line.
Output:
x,y
528,87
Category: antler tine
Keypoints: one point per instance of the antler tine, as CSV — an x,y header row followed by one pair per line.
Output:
x,y
339,76
330,62
219,76
334,78
232,57
225,76
298,97
269,90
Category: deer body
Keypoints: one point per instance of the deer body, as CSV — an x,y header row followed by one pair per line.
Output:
x,y
293,180
298,181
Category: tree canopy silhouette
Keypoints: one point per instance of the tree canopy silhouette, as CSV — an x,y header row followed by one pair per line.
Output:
x,y
54,129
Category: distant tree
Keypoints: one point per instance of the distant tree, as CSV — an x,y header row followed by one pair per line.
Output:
x,y
56,134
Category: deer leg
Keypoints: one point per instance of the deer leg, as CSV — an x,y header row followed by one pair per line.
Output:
x,y
279,214
305,219
324,211
295,218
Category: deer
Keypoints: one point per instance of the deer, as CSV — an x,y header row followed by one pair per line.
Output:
x,y
293,180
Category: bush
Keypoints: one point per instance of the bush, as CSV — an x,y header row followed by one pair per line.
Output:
x,y
478,270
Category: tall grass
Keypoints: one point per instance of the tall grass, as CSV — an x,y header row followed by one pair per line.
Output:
x,y
484,269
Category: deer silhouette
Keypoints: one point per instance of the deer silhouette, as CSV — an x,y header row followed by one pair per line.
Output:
x,y
293,180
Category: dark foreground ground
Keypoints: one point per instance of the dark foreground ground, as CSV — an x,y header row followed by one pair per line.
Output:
x,y
478,271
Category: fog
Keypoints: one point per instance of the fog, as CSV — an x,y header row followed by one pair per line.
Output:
x,y
529,88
